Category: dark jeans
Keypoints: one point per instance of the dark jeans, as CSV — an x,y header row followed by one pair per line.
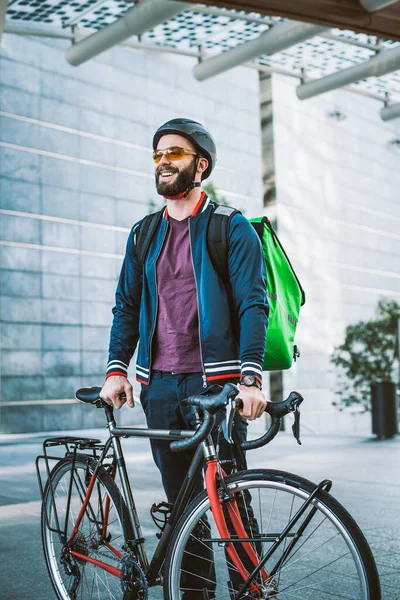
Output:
x,y
162,404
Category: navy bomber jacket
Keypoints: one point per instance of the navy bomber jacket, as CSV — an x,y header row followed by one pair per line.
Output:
x,y
228,349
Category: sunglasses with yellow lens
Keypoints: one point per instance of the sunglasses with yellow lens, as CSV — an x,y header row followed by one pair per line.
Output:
x,y
172,154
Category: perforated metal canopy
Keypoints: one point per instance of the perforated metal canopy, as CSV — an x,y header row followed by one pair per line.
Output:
x,y
217,30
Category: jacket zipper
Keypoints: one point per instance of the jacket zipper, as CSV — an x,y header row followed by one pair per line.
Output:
x,y
198,308
155,320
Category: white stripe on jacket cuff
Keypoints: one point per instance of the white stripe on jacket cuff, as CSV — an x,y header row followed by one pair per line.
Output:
x,y
251,368
117,365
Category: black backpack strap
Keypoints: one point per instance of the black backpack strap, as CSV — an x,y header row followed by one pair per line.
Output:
x,y
218,239
259,227
144,233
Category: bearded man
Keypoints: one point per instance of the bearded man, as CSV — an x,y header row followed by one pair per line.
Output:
x,y
177,308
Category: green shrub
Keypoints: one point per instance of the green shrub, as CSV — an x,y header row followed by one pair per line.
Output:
x,y
369,353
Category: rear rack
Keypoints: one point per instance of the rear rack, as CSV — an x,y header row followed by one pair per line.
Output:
x,y
71,445
79,442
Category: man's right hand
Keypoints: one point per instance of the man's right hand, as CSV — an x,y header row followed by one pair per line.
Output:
x,y
113,388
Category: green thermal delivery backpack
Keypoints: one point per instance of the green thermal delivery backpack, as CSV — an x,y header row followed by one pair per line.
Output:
x,y
284,292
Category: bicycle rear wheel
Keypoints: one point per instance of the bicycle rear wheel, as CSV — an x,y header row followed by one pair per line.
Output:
x,y
74,578
330,559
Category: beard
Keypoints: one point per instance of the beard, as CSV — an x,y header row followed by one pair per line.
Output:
x,y
182,181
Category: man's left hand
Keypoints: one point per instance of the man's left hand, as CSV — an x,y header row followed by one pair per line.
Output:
x,y
254,402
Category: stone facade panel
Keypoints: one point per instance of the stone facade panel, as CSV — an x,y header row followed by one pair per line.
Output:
x,y
60,292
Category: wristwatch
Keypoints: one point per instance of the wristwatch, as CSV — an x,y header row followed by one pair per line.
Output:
x,y
249,381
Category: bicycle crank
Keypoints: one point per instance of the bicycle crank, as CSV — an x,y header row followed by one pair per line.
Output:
x,y
133,580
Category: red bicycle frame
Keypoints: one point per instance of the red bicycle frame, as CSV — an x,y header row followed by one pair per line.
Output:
x,y
216,504
109,568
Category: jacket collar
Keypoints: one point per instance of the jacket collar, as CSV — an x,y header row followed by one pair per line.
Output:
x,y
200,207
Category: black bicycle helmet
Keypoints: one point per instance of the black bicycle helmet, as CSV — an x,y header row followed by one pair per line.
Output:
x,y
196,133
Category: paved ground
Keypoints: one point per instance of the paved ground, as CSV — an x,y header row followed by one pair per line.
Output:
x,y
365,473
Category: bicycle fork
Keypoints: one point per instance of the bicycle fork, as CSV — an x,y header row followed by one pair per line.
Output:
x,y
217,503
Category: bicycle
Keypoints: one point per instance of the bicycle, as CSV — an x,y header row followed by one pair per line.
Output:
x,y
253,534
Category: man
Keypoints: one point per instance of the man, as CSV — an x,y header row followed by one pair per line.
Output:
x,y
191,335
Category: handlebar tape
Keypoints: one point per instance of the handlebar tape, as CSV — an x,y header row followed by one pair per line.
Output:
x,y
276,410
266,438
203,431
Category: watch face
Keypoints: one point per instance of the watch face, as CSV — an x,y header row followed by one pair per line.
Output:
x,y
250,380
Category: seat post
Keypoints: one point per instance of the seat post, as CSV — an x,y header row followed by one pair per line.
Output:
x,y
110,416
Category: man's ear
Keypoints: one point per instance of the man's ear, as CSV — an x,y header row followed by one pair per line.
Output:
x,y
202,164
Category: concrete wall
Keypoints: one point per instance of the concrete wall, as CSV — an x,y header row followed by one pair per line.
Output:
x,y
76,173
338,214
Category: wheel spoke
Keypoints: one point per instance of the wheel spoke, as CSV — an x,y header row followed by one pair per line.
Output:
x,y
220,558
314,572
303,556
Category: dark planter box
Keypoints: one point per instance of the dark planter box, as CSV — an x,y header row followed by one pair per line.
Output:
x,y
384,409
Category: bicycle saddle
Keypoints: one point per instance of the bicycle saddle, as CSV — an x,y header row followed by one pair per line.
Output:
x,y
88,395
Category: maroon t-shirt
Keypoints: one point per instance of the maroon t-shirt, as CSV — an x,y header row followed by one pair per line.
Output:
x,y
176,344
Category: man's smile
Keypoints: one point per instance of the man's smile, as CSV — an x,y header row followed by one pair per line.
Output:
x,y
166,174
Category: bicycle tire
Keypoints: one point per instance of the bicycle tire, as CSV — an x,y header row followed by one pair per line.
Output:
x,y
315,569
93,582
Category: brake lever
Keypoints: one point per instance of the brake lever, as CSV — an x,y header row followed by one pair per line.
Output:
x,y
296,425
228,422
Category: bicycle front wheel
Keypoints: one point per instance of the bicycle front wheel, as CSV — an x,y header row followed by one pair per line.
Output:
x,y
324,555
100,535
